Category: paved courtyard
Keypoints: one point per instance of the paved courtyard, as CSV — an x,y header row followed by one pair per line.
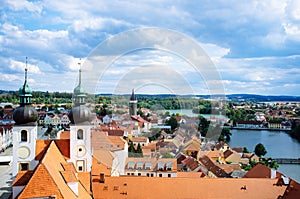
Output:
x,y
5,176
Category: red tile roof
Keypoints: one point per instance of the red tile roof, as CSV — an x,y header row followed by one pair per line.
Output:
x,y
155,187
22,178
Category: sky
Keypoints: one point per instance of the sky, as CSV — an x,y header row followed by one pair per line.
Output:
x,y
254,46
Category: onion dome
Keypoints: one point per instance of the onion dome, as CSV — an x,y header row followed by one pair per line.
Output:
x,y
80,115
25,114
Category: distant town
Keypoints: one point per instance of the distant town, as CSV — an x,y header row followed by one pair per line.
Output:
x,y
127,146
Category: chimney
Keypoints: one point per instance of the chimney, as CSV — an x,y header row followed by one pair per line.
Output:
x,y
273,174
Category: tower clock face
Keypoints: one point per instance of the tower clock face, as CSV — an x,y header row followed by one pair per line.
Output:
x,y
80,150
23,152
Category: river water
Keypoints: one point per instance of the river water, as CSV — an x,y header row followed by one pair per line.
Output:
x,y
277,143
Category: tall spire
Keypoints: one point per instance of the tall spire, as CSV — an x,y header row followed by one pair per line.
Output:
x,y
25,90
79,93
133,104
79,63
133,97
26,69
25,114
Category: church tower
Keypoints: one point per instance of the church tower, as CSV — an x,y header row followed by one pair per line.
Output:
x,y
133,104
80,130
24,131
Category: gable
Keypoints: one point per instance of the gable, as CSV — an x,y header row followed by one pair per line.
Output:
x,y
41,184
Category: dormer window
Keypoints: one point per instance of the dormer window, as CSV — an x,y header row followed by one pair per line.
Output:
x,y
160,166
169,166
24,136
130,165
80,134
148,165
139,166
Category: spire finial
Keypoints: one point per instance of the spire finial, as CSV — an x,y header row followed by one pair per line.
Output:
x,y
26,69
79,63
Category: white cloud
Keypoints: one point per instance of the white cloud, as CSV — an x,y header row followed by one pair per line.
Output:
x,y
9,77
214,51
20,66
18,5
247,40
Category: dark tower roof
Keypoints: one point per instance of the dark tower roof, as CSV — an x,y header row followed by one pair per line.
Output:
x,y
80,114
25,114
133,97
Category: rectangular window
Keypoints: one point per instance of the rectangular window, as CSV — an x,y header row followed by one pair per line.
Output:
x,y
80,165
160,166
169,175
80,134
160,175
139,166
148,165
169,166
130,165
23,166
101,177
24,135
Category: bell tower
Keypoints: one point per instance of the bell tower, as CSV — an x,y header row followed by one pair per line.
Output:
x,y
80,130
133,104
24,131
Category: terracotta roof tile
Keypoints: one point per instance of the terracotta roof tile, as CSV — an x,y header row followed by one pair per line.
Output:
x,y
41,184
105,157
142,187
65,135
41,147
68,166
64,147
292,191
190,175
261,171
69,176
139,139
85,180
101,141
22,178
50,178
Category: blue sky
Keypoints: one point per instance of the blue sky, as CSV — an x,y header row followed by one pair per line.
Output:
x,y
255,45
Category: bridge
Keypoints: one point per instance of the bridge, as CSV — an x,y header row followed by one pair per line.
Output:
x,y
287,160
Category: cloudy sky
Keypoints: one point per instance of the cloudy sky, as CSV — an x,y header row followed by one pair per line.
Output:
x,y
254,45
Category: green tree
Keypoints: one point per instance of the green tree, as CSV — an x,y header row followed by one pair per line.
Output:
x,y
139,149
172,122
295,133
168,155
140,112
245,150
260,150
203,125
131,148
225,135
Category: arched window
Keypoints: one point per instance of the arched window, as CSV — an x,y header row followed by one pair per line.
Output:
x,y
24,137
80,134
